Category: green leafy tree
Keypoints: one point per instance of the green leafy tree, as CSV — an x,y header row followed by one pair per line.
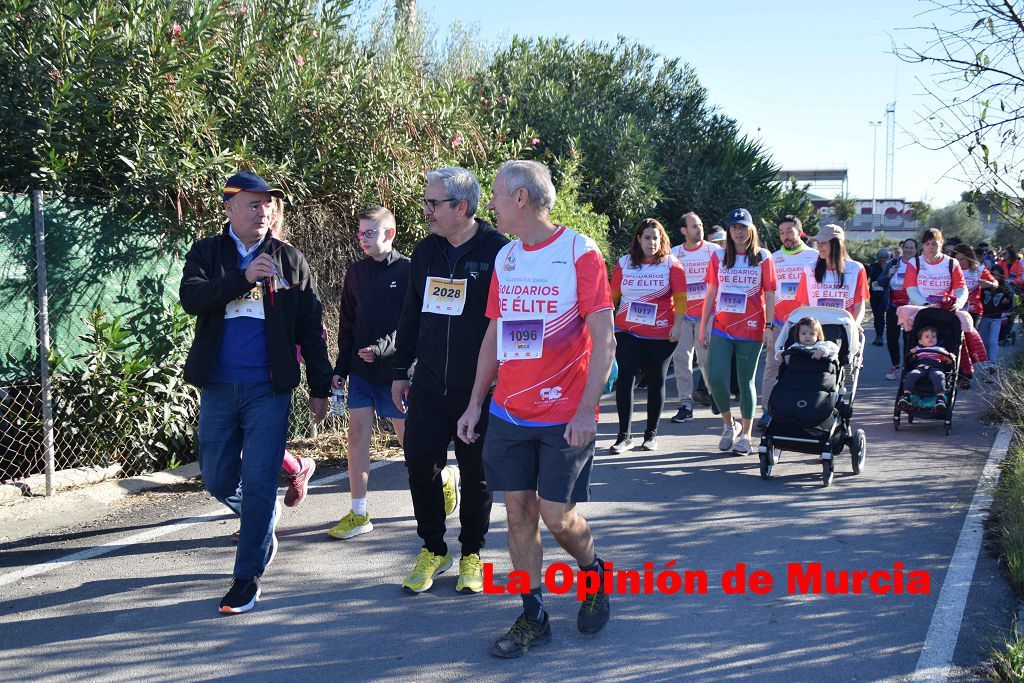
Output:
x,y
974,52
921,211
959,219
791,200
649,142
844,208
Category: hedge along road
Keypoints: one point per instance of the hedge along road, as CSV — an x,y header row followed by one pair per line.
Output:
x,y
144,605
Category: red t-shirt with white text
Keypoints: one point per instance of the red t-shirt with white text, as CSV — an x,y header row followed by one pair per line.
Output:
x,y
833,293
739,307
540,296
646,308
695,265
934,279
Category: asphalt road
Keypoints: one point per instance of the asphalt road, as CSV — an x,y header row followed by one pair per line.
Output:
x,y
146,610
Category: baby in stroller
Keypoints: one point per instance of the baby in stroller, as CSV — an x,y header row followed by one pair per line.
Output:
x,y
929,360
810,337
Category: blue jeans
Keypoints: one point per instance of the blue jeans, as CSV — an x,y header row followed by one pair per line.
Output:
x,y
249,418
988,328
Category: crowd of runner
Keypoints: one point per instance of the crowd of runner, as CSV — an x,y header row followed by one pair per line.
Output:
x,y
504,348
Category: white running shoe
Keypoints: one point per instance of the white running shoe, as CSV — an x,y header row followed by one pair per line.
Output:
x,y
742,445
729,434
623,444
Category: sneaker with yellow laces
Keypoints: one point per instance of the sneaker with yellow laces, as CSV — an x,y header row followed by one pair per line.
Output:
x,y
428,565
471,574
351,525
450,480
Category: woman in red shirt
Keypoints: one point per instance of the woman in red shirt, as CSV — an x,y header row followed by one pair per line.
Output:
x,y
836,281
741,296
976,276
649,292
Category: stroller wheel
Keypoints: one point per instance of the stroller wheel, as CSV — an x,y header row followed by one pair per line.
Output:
x,y
858,450
827,472
766,466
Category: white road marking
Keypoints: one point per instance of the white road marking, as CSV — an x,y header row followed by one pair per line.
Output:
x,y
937,654
142,537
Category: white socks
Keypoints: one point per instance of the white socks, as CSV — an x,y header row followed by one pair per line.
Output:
x,y
359,506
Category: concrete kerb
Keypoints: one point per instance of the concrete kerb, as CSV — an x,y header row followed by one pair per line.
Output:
x,y
23,516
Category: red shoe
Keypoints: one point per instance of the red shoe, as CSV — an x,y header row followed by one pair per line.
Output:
x,y
297,487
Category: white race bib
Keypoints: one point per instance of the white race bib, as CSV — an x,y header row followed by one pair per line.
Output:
x,y
249,305
831,302
642,313
696,291
732,302
787,290
520,339
444,296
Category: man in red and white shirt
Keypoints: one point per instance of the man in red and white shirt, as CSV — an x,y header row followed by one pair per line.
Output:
x,y
550,343
693,254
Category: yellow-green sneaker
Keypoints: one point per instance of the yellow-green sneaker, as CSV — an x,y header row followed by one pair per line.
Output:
x,y
471,574
428,565
450,480
351,525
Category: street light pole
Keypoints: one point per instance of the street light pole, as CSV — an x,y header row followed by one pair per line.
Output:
x,y
874,166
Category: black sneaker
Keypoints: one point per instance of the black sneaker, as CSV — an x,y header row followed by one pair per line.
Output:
x,y
702,397
242,597
684,414
523,635
594,612
714,408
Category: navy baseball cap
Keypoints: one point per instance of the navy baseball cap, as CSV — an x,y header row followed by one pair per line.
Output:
x,y
738,216
249,182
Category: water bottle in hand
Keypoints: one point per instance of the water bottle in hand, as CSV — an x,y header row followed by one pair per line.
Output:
x,y
338,402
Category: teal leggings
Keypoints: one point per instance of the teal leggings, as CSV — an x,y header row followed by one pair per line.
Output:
x,y
720,356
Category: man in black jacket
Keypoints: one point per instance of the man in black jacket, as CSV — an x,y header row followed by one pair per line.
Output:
x,y
371,301
255,301
441,328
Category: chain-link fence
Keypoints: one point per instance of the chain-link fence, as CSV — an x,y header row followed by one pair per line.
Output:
x,y
92,295
96,296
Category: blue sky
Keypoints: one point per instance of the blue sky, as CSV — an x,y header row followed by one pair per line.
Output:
x,y
804,77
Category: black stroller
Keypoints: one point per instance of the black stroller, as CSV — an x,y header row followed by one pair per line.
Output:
x,y
951,338
811,404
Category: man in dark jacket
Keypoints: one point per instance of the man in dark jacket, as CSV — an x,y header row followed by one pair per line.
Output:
x,y
371,301
255,301
441,328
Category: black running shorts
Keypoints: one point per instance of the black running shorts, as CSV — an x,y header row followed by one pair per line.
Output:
x,y
536,459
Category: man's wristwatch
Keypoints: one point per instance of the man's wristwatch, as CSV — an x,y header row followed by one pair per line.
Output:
x,y
769,326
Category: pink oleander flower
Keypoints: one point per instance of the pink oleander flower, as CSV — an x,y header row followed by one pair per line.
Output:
x,y
170,77
456,141
534,142
300,60
485,100
243,9
176,31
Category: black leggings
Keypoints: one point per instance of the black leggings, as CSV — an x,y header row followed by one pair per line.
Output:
x,y
893,332
878,309
652,356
